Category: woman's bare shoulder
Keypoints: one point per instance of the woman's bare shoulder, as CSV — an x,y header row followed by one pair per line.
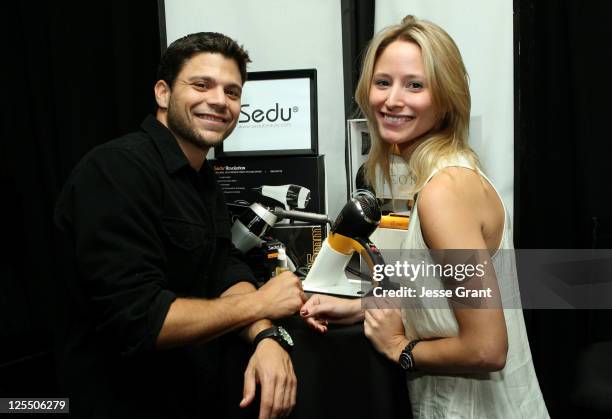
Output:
x,y
453,184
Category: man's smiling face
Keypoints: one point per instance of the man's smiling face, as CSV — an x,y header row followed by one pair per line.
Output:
x,y
204,103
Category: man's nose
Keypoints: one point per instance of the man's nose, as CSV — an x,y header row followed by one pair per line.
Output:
x,y
217,98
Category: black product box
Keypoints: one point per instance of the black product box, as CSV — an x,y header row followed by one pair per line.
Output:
x,y
302,242
291,182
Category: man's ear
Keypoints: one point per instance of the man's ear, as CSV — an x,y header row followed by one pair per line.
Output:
x,y
162,94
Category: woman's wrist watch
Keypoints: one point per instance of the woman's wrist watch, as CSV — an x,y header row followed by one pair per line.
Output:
x,y
279,334
406,359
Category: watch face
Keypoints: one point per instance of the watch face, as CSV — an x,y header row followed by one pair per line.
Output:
x,y
404,361
285,335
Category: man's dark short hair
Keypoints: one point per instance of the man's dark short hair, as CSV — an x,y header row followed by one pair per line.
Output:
x,y
183,49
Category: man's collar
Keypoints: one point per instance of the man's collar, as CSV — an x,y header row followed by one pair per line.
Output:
x,y
172,155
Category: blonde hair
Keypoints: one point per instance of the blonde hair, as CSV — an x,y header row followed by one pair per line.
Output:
x,y
448,81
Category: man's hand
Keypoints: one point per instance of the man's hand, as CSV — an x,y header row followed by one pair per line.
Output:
x,y
271,368
384,328
320,310
282,296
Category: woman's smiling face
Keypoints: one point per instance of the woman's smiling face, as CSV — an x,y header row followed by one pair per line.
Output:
x,y
399,96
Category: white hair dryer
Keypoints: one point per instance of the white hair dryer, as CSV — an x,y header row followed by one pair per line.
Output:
x,y
291,196
252,224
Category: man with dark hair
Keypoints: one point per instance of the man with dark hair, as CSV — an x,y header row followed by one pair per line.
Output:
x,y
183,48
157,278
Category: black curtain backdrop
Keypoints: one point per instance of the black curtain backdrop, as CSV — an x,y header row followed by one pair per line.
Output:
x,y
357,30
562,155
78,74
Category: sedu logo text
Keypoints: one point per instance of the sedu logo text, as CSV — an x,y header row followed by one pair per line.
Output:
x,y
271,115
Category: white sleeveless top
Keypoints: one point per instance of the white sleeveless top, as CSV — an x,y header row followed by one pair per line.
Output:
x,y
514,391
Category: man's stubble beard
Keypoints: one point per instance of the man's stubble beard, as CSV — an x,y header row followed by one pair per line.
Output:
x,y
184,130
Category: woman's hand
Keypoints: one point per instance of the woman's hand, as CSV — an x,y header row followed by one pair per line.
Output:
x,y
384,328
320,310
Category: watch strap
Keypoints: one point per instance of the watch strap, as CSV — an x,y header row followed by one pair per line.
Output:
x,y
275,333
406,359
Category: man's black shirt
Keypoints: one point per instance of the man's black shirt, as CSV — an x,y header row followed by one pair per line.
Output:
x,y
143,228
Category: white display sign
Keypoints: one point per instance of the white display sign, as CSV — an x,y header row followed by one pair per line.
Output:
x,y
277,115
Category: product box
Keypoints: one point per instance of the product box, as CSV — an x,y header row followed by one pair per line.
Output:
x,y
302,242
293,183
290,182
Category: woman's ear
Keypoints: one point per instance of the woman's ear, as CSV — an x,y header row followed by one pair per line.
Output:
x,y
162,94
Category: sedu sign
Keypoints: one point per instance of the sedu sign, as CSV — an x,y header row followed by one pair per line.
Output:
x,y
275,114
271,115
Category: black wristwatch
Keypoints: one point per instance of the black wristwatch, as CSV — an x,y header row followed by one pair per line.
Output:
x,y
406,359
279,334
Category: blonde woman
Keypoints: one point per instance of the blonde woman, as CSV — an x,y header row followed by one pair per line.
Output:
x,y
461,363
